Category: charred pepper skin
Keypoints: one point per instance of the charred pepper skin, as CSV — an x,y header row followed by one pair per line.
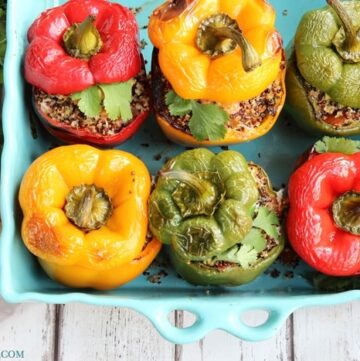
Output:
x,y
225,79
110,249
314,188
202,206
318,60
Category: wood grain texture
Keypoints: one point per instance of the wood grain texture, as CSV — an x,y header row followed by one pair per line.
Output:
x,y
29,328
109,334
219,345
327,333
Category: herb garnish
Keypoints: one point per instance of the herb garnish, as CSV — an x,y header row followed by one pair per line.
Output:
x,y
207,121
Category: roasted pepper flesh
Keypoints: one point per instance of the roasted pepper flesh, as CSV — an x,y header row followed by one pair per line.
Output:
x,y
51,68
232,136
195,75
209,208
327,57
87,72
99,252
216,59
323,220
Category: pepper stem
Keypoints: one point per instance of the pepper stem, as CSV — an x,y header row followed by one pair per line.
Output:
x,y
218,35
88,207
189,179
83,40
346,212
196,194
347,40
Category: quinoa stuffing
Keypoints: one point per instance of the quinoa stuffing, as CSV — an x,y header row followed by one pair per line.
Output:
x,y
65,110
328,111
243,115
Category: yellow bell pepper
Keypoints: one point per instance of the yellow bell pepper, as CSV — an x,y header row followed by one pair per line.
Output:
x,y
193,74
85,216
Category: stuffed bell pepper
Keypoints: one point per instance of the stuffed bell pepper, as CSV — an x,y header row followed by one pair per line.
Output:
x,y
323,223
323,79
87,73
85,216
217,70
219,216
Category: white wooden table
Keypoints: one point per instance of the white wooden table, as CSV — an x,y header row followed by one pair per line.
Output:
x,y
86,333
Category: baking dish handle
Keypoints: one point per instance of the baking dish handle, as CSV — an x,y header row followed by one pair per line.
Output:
x,y
211,316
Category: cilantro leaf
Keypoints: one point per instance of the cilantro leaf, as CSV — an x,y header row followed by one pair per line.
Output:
x,y
255,239
89,101
244,255
177,106
117,100
268,221
247,256
337,145
207,121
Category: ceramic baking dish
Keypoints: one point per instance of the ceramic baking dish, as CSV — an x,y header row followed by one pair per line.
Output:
x,y
160,290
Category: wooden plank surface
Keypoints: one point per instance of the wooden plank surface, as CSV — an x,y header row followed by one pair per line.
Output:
x,y
330,333
28,328
219,345
107,334
110,334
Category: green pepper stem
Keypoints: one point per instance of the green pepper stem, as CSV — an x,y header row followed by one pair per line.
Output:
x,y
83,40
188,178
250,58
219,34
351,32
88,207
346,212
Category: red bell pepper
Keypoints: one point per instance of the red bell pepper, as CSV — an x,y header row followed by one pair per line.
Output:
x,y
323,223
78,45
48,65
71,135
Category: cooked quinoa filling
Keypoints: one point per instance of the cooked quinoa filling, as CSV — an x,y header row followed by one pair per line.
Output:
x,y
243,115
65,110
328,111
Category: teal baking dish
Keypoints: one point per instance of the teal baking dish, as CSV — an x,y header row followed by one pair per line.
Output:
x,y
159,291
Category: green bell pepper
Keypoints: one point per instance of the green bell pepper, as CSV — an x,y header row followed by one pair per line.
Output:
x,y
323,78
219,216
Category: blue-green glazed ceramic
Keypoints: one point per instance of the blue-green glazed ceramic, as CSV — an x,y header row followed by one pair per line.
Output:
x,y
23,280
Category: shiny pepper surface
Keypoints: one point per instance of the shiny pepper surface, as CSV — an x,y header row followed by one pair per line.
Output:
x,y
326,62
85,216
321,62
204,207
195,75
323,223
50,67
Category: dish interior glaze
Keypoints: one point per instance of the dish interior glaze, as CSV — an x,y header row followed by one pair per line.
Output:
x,y
159,291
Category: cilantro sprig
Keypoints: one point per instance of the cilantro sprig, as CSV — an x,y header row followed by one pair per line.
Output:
x,y
337,145
268,221
247,252
244,255
207,121
114,98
